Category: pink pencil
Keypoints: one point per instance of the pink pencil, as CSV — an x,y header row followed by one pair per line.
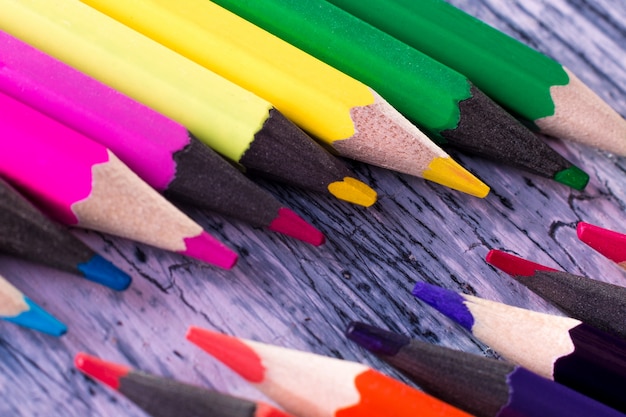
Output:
x,y
609,243
80,182
162,152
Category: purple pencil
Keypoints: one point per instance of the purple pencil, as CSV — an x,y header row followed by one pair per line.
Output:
x,y
484,387
564,349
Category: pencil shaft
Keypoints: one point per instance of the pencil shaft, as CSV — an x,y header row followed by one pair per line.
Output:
x,y
525,81
460,41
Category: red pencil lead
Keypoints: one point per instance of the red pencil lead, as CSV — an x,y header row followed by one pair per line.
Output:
x,y
290,224
234,353
105,372
514,265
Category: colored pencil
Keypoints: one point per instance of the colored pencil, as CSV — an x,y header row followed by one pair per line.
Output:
x,y
161,397
525,81
599,304
236,123
80,182
16,308
564,349
609,243
432,95
484,387
27,233
335,108
307,385
162,152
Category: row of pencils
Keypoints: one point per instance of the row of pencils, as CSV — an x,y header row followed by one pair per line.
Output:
x,y
554,365
113,107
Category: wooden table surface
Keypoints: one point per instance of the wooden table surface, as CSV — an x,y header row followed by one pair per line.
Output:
x,y
287,293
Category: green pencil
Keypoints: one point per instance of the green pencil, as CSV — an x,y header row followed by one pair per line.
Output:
x,y
521,79
437,98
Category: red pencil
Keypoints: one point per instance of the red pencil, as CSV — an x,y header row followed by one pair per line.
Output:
x,y
161,397
309,385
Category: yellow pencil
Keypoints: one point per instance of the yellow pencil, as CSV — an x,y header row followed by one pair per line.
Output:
x,y
335,108
235,122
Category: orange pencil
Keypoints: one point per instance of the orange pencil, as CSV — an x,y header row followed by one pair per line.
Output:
x,y
310,385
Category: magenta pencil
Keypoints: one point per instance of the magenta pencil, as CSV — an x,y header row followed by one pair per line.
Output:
x,y
161,151
80,182
607,242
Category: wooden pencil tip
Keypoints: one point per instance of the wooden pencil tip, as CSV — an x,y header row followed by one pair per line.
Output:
x,y
447,172
514,265
289,223
210,250
353,191
231,351
106,372
607,242
573,177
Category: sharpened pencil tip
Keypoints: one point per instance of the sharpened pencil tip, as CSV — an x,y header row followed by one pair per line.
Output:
x,y
103,272
514,265
232,352
353,191
447,172
106,372
376,340
37,318
609,243
573,177
289,223
210,250
448,302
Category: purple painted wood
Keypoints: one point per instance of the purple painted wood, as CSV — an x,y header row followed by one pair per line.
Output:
x,y
295,295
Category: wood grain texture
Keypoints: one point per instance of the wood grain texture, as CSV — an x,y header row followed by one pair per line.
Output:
x,y
291,294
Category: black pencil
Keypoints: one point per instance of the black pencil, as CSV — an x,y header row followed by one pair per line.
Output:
x,y
27,233
600,304
482,386
564,349
161,397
